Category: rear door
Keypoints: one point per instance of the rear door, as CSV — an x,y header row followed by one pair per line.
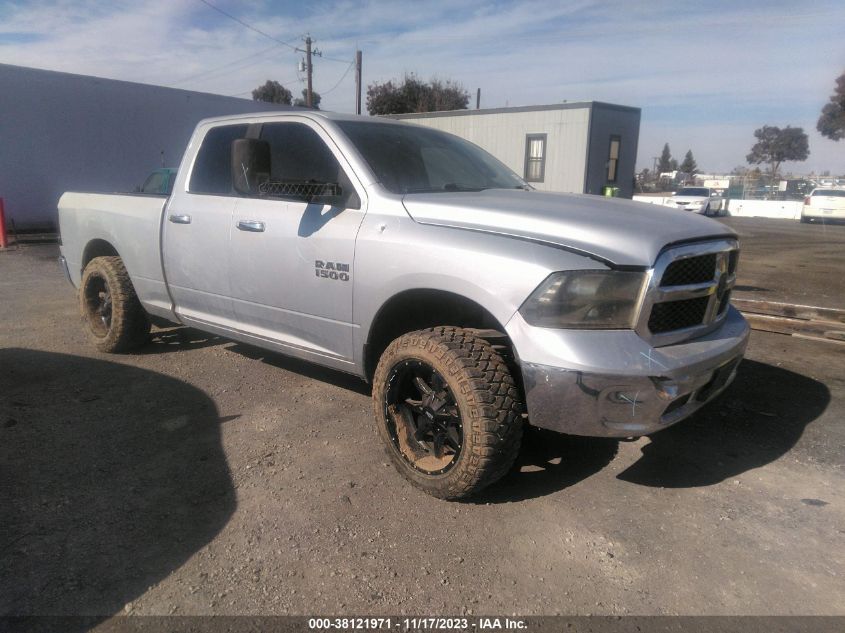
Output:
x,y
291,261
197,230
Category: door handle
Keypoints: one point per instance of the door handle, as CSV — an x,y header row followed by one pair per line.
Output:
x,y
251,225
180,219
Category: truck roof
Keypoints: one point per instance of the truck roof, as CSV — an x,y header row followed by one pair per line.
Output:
x,y
302,112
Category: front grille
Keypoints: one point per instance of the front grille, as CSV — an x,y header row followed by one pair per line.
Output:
x,y
733,259
724,302
674,315
692,270
689,293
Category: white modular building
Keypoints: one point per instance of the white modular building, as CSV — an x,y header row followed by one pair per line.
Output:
x,y
582,147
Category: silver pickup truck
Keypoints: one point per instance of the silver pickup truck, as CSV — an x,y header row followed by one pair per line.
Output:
x,y
415,260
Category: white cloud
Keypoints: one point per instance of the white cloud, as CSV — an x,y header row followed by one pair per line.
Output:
x,y
704,78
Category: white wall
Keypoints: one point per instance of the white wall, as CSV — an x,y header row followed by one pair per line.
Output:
x,y
790,210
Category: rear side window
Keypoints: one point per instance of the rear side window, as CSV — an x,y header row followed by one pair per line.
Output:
x,y
212,168
830,193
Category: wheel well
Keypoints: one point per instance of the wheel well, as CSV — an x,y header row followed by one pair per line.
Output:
x,y
418,309
97,248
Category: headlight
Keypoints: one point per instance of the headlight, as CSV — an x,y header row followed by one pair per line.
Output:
x,y
586,299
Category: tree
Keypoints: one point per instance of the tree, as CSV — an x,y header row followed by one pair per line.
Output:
x,y
303,103
775,145
832,121
272,92
689,166
413,95
665,162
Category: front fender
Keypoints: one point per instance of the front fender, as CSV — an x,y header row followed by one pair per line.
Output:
x,y
395,254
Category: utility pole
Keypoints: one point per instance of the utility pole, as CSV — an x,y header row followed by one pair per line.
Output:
x,y
357,82
309,69
478,99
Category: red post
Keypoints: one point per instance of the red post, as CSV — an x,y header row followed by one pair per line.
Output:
x,y
4,241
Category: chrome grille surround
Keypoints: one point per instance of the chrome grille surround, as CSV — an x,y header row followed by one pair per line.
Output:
x,y
715,289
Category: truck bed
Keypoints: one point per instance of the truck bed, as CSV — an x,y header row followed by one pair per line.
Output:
x,y
131,223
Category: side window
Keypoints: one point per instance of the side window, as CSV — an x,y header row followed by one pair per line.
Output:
x,y
212,167
300,162
613,159
535,157
155,183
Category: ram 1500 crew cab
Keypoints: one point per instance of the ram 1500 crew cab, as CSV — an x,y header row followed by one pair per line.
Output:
x,y
417,261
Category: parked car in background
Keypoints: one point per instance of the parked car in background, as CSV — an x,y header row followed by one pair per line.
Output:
x,y
701,200
824,204
159,182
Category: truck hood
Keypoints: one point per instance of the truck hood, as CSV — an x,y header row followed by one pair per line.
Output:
x,y
618,231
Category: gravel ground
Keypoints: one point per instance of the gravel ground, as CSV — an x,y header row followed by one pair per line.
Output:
x,y
203,476
783,260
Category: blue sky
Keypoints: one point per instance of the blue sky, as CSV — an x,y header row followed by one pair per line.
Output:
x,y
705,74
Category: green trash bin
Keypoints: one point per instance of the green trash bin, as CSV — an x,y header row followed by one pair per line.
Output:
x,y
610,192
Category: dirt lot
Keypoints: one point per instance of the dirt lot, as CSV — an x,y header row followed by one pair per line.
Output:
x,y
783,260
206,477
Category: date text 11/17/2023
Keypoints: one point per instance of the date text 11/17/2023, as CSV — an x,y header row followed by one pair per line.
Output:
x,y
417,624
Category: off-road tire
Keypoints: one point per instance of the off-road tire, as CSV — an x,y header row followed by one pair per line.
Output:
x,y
487,397
129,325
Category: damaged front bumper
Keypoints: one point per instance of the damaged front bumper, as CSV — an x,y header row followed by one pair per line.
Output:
x,y
614,384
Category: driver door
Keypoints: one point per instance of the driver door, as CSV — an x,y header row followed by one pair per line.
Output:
x,y
291,260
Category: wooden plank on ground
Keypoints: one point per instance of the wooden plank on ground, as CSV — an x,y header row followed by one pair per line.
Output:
x,y
791,310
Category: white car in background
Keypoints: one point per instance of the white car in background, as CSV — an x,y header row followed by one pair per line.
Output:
x,y
824,204
701,200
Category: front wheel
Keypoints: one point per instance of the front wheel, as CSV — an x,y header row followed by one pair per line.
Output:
x,y
448,411
114,317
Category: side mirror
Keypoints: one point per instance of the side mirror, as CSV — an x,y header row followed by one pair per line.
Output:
x,y
250,164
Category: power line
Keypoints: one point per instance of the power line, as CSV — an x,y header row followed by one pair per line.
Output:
x,y
335,59
249,92
346,72
249,26
224,66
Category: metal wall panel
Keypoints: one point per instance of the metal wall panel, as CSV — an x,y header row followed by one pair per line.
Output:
x,y
608,121
503,134
61,132
577,135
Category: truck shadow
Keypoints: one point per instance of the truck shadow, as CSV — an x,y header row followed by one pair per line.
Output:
x,y
757,420
176,338
112,477
549,462
303,368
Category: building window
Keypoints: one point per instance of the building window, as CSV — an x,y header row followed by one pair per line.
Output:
x,y
535,157
613,159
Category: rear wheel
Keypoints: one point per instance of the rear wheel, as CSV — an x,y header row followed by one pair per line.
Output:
x,y
115,320
448,411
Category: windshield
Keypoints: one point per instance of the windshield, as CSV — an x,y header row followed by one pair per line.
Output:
x,y
410,159
832,193
694,191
